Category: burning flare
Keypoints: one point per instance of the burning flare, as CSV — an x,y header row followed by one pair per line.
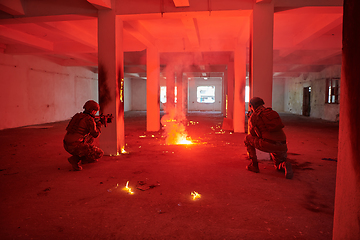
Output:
x,y
175,128
126,188
184,141
123,151
195,195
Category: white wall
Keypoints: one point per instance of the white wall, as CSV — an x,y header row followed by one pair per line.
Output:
x,y
35,91
127,94
138,94
293,94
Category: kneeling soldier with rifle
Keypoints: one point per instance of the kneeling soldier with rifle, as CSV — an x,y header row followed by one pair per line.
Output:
x,y
82,129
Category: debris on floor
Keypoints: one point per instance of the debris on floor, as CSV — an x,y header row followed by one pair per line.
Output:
x,y
143,185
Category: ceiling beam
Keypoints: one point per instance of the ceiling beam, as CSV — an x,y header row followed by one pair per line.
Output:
x,y
101,4
25,38
13,7
71,31
192,31
136,29
40,19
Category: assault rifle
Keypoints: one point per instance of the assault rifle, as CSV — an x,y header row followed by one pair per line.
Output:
x,y
104,119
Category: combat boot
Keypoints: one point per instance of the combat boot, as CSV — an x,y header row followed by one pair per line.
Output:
x,y
253,166
75,163
288,171
85,160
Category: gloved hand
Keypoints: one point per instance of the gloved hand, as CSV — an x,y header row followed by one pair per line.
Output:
x,y
98,125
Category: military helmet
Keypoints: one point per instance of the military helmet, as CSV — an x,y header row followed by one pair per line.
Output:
x,y
256,102
91,105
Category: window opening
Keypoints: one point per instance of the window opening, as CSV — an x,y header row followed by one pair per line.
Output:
x,y
332,90
205,94
163,94
247,93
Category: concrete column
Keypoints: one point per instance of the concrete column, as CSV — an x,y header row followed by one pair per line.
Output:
x,y
111,80
230,90
152,90
239,88
347,193
261,51
224,104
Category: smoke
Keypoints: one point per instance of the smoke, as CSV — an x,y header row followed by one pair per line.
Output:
x,y
174,120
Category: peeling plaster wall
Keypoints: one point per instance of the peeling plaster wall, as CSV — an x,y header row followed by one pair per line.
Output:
x,y
35,91
293,94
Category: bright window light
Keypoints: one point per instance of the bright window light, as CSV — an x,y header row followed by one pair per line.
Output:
x,y
205,94
247,91
163,94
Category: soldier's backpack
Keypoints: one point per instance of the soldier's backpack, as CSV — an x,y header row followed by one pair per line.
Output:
x,y
271,120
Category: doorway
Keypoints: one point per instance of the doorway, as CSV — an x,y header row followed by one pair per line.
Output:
x,y
306,101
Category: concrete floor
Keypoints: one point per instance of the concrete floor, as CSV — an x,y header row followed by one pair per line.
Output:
x,y
42,198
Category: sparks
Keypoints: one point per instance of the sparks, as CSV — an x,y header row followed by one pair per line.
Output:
x,y
195,195
126,188
116,155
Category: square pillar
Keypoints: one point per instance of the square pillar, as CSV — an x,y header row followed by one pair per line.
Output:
x,y
111,80
347,191
239,88
152,89
230,90
261,51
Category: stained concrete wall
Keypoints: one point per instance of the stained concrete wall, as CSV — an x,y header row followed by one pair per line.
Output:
x,y
278,94
35,91
293,94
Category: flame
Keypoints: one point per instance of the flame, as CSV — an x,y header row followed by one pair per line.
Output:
x,y
126,188
195,195
183,140
174,125
123,150
175,131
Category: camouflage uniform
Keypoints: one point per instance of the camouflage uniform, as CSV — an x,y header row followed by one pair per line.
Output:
x,y
78,141
262,137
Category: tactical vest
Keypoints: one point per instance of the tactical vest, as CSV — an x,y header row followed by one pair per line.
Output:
x,y
79,124
267,120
